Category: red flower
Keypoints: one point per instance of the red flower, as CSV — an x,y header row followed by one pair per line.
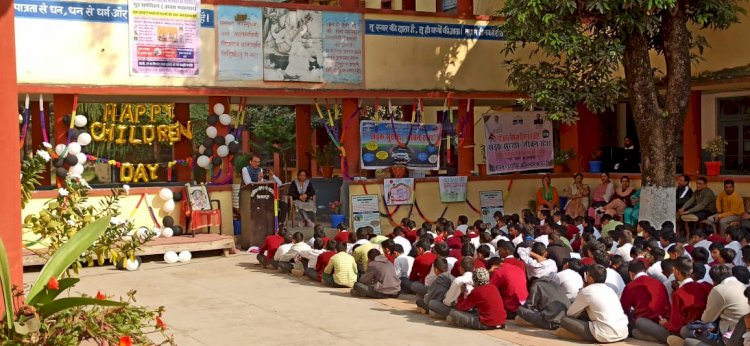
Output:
x,y
53,284
126,341
100,295
160,324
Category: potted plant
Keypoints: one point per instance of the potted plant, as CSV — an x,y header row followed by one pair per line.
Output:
x,y
326,157
482,167
336,217
560,160
595,165
716,148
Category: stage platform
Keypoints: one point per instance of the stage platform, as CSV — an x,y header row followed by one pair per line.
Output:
x,y
159,246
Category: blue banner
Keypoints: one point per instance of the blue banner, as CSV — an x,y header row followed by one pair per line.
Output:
x,y
432,30
87,12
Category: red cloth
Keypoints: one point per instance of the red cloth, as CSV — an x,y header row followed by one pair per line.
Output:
x,y
271,244
587,261
205,218
717,238
323,260
422,266
516,262
411,235
486,299
576,244
439,239
511,284
454,243
571,231
688,303
342,237
458,234
644,261
647,297
389,257
455,253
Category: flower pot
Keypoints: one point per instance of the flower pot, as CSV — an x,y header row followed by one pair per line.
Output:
x,y
713,168
558,168
398,171
482,169
327,171
595,166
336,219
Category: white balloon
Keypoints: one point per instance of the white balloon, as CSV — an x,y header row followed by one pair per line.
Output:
x,y
132,265
81,120
203,161
229,138
167,232
171,257
218,109
168,206
211,132
201,149
156,232
142,232
59,149
74,148
84,138
225,119
77,169
222,151
165,194
81,158
185,256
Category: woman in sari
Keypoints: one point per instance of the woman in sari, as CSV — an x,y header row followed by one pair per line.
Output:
x,y
302,193
578,201
621,199
601,196
546,196
632,213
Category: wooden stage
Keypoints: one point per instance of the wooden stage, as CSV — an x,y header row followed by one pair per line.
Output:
x,y
159,246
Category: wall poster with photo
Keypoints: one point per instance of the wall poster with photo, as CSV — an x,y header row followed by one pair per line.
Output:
x,y
292,45
198,197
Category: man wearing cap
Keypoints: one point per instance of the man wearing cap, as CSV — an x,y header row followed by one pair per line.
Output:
x,y
486,300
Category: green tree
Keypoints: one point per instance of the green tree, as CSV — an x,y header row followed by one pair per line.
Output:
x,y
577,48
275,129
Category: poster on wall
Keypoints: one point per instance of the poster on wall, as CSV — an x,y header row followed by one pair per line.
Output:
x,y
164,37
239,43
517,141
366,212
490,202
453,189
292,45
384,144
342,47
398,191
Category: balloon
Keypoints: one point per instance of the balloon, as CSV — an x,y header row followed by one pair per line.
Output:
x,y
208,143
177,196
203,161
82,158
167,232
156,232
212,119
132,265
208,152
59,149
216,161
225,119
167,221
81,120
211,131
71,160
58,163
77,169
177,230
234,147
185,256
74,133
171,257
218,109
201,149
222,151
168,206
219,140
66,119
229,138
126,172
74,148
165,194
142,232
61,172
84,138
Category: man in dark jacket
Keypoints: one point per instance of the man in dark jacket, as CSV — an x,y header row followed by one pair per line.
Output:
x,y
438,289
545,306
380,280
684,192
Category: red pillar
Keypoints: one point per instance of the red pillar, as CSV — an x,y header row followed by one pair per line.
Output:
x,y
303,129
691,135
465,8
408,111
36,133
221,130
349,3
352,138
184,148
583,137
466,151
10,214
409,5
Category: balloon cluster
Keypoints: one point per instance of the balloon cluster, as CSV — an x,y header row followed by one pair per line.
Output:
x,y
172,257
70,158
216,147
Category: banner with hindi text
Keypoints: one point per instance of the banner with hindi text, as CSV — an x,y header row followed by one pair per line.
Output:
x,y
415,145
517,141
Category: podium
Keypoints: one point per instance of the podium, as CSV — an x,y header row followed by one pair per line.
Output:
x,y
256,211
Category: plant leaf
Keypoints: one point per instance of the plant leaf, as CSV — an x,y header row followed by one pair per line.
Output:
x,y
46,295
29,326
68,253
5,285
58,305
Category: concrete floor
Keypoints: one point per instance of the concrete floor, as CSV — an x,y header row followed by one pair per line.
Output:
x,y
231,301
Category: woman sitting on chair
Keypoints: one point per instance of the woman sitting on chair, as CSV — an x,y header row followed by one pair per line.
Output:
x,y
620,199
547,197
302,194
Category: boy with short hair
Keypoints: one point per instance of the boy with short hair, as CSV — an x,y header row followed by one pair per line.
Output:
x,y
439,287
341,270
380,280
486,300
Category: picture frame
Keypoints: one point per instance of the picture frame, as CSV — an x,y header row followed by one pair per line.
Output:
x,y
198,197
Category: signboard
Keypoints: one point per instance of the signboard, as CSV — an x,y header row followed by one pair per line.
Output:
x,y
489,203
398,191
432,30
517,141
342,47
240,43
417,146
164,37
453,189
366,212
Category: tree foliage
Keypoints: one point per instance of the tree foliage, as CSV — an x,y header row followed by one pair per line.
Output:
x,y
275,129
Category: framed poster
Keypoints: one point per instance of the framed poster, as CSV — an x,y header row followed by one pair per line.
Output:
x,y
415,145
366,212
240,43
198,197
453,189
489,203
517,141
398,191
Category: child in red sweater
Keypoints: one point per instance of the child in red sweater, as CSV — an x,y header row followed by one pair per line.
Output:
x,y
490,313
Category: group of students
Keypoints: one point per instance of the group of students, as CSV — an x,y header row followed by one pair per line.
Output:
x,y
547,271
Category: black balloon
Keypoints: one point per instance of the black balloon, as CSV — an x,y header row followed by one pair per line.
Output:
x,y
208,152
61,172
234,147
177,230
216,161
71,160
212,119
219,140
66,119
58,163
177,196
208,143
168,221
74,133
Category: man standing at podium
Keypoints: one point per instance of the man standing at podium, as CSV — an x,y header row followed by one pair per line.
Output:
x,y
252,173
